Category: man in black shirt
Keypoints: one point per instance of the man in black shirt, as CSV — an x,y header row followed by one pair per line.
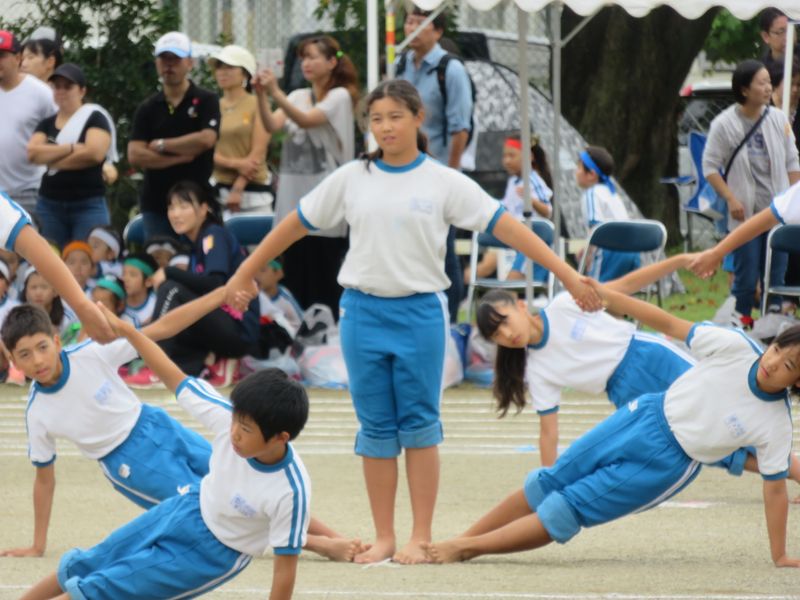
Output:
x,y
174,132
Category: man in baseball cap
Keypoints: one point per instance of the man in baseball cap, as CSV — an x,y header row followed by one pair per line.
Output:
x,y
176,43
9,42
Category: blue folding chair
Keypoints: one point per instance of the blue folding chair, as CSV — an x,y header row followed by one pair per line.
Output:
x,y
636,235
783,238
542,228
249,230
134,231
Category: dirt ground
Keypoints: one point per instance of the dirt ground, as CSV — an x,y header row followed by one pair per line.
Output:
x,y
710,542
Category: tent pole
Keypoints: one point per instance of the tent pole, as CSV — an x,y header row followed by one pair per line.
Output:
x,y
525,134
787,69
555,157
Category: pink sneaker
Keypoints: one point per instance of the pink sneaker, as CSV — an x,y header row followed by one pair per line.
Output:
x,y
15,376
223,372
144,379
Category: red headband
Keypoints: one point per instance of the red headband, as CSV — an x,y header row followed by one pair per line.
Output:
x,y
514,143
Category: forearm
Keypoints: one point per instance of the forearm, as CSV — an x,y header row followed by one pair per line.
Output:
x,y
153,356
648,314
288,231
640,278
720,186
182,317
542,209
83,157
269,118
197,283
296,114
284,573
458,141
144,158
750,229
45,154
191,144
240,183
776,509
43,491
224,162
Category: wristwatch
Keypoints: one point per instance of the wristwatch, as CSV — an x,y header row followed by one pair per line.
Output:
x,y
160,146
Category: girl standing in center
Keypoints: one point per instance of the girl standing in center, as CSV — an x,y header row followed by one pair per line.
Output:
x,y
393,318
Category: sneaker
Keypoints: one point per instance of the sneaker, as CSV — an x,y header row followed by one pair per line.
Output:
x,y
746,322
15,376
223,372
143,379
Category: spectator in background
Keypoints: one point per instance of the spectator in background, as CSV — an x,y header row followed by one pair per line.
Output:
x,y
320,137
73,144
173,133
446,125
42,53
773,23
766,165
240,157
24,102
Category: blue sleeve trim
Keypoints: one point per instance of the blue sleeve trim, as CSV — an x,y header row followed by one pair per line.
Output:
x,y
549,411
182,385
44,464
776,476
306,223
776,214
690,337
287,551
12,237
497,214
197,390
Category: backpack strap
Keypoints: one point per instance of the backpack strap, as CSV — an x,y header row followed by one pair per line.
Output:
x,y
441,78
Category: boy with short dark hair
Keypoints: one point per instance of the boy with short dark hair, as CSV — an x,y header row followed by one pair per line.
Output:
x,y
255,496
137,275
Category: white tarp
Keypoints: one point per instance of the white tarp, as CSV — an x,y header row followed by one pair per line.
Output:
x,y
691,9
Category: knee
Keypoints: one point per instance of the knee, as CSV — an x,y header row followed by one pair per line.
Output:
x,y
558,518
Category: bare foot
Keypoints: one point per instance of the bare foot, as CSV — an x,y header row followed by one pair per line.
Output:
x,y
338,549
380,550
411,554
447,552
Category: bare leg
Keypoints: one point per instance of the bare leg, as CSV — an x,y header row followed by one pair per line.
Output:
x,y
339,549
380,475
525,533
317,527
512,508
46,589
548,439
422,470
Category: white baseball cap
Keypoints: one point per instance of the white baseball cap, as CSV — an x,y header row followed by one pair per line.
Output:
x,y
235,56
176,43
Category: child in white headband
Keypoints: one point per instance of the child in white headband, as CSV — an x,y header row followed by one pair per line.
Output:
x,y
106,248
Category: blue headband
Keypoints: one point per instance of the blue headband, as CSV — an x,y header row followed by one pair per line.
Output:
x,y
586,159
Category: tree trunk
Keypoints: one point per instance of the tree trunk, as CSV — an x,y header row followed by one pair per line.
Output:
x,y
621,78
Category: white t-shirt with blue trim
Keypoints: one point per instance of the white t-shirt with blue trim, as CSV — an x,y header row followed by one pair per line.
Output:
x,y
786,206
716,407
12,219
578,349
513,201
89,405
399,218
247,505
600,205
140,315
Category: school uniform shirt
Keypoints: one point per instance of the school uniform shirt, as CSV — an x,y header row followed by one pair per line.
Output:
x,y
786,206
514,202
6,304
248,506
600,205
579,347
12,219
109,267
282,308
142,314
399,219
89,405
716,407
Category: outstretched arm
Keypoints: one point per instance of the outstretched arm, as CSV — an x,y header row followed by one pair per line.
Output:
x,y
776,508
647,313
284,572
35,249
640,278
513,233
706,262
152,354
241,287
182,317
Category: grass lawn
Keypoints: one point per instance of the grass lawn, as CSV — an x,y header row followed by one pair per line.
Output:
x,y
702,298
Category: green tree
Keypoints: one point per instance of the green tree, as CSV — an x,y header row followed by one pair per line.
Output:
x,y
731,40
112,41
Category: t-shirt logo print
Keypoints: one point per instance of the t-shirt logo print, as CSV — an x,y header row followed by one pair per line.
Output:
x,y
241,505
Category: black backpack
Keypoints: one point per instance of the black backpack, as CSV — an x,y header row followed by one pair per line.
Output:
x,y
441,70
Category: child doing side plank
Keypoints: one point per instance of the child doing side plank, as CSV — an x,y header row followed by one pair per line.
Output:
x,y
651,448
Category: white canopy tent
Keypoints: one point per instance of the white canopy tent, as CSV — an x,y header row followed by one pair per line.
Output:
x,y
691,9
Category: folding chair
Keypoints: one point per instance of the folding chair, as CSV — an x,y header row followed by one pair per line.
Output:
x,y
134,231
637,235
783,238
249,229
541,227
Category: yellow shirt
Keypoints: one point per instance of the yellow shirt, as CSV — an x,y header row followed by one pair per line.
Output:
x,y
236,136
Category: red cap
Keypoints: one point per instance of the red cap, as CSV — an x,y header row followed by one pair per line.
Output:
x,y
9,42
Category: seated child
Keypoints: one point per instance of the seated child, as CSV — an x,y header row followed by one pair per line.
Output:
x,y
6,304
275,299
652,447
110,292
38,292
256,496
600,203
106,246
77,256
137,273
162,248
13,261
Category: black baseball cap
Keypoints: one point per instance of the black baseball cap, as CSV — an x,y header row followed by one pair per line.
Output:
x,y
70,71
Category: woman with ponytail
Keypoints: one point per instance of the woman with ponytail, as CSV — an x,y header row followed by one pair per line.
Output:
x,y
320,136
399,204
